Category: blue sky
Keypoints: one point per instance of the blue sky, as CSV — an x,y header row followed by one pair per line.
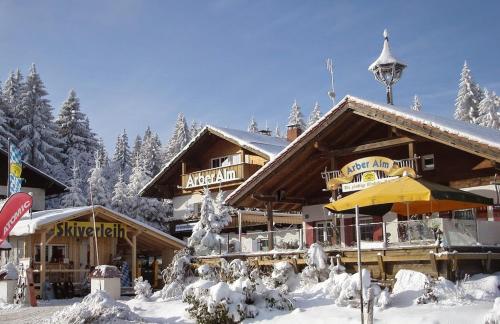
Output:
x,y
139,63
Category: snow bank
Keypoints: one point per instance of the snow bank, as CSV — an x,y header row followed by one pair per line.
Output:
x,y
409,280
98,307
482,286
493,316
8,272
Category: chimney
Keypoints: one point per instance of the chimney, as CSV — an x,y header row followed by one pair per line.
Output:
x,y
292,132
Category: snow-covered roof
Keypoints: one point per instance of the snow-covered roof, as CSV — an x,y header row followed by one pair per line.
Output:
x,y
470,132
264,145
28,224
483,135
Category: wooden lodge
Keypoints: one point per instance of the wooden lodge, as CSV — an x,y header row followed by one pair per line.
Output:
x,y
301,178
220,159
61,244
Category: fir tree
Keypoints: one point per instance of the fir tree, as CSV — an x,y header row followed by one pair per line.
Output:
x,y
296,118
252,127
75,196
12,97
79,142
136,149
121,158
277,132
150,153
38,135
417,106
179,139
5,121
98,184
468,98
488,111
315,115
195,128
119,201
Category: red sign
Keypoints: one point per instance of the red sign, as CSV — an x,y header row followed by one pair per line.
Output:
x,y
14,208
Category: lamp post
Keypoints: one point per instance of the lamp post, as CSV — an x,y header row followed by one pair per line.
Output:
x,y
386,68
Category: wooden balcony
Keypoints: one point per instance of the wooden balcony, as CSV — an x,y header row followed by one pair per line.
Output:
x,y
222,176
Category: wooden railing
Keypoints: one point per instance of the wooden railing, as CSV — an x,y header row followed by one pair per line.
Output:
x,y
218,176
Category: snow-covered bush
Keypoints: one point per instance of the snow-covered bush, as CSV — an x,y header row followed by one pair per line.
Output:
x,y
97,307
383,299
240,297
214,216
142,288
409,280
206,272
284,277
178,274
317,265
493,316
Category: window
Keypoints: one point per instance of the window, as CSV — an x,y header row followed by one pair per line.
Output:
x,y
53,253
465,214
326,233
224,161
428,162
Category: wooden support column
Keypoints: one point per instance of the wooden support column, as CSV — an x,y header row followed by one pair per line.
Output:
x,y
381,266
411,150
183,166
269,215
134,257
92,251
42,257
434,265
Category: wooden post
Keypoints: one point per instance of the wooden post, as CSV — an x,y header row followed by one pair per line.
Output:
x,y
42,258
270,234
92,251
134,257
183,166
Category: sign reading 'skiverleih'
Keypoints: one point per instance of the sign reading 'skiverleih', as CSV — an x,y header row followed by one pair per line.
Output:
x,y
86,229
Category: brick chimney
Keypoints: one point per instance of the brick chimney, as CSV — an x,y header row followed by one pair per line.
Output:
x,y
292,132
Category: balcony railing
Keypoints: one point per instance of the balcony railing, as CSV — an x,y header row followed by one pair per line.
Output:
x,y
218,176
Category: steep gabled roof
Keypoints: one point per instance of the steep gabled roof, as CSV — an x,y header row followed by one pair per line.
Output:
x,y
478,140
262,145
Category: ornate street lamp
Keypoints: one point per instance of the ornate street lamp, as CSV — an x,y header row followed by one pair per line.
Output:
x,y
387,69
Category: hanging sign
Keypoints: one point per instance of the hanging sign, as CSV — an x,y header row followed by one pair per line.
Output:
x,y
14,208
86,229
367,167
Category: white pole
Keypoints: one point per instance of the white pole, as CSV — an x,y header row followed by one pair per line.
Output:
x,y
358,239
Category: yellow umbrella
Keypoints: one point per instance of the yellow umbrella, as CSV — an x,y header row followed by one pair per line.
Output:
x,y
408,196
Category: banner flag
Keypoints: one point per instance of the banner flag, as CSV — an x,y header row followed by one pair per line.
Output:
x,y
14,208
15,169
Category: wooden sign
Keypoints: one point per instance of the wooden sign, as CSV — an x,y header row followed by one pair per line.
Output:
x,y
86,229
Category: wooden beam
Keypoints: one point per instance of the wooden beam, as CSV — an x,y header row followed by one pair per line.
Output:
x,y
381,267
388,143
434,266
322,147
270,234
42,257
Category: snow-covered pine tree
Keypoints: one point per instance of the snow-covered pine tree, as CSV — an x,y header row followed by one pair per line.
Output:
x,y
223,216
205,238
119,201
416,105
5,121
179,139
195,128
150,153
468,98
75,196
296,117
98,183
122,160
79,142
136,149
315,115
488,111
12,97
252,127
38,138
277,132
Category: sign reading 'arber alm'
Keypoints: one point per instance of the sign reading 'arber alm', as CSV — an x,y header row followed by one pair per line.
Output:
x,y
208,177
86,229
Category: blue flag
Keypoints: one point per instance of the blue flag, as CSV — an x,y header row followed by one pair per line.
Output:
x,y
15,169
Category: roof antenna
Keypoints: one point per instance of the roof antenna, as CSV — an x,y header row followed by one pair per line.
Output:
x,y
331,92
